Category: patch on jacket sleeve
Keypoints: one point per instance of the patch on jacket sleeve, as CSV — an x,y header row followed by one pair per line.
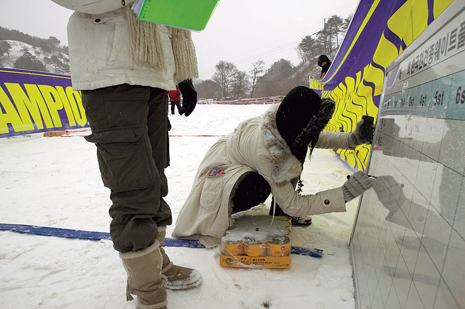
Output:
x,y
216,171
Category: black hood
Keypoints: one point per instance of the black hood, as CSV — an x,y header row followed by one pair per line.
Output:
x,y
300,118
322,59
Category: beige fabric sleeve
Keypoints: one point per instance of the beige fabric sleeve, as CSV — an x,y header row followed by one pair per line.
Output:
x,y
333,140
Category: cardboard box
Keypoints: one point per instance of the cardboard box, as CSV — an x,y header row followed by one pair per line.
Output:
x,y
256,242
243,261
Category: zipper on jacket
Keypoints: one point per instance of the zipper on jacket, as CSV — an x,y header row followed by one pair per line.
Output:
x,y
123,2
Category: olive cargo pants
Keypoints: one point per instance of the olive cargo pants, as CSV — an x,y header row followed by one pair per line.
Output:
x,y
130,129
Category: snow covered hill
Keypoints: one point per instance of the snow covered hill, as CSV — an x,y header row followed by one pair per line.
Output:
x,y
20,55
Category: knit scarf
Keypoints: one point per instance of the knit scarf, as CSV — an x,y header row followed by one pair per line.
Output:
x,y
147,47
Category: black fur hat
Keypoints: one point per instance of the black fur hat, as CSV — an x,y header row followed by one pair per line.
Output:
x,y
300,118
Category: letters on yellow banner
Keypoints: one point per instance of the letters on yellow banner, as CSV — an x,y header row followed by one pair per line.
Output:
x,y
36,107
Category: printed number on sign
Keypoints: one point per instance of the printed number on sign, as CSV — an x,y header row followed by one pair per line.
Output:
x,y
460,98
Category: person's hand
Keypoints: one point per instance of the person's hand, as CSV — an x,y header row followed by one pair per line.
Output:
x,y
389,192
358,183
363,133
189,97
388,140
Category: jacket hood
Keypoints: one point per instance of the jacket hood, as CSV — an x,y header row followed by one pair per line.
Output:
x,y
285,165
322,59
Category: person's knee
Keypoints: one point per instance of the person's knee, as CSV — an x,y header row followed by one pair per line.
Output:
x,y
136,234
251,190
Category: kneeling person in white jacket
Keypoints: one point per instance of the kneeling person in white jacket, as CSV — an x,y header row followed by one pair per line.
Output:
x,y
265,155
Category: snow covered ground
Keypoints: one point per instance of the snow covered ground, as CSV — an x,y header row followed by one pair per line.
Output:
x,y
55,182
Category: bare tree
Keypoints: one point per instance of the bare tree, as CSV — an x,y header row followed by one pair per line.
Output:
x,y
258,69
240,85
207,89
224,76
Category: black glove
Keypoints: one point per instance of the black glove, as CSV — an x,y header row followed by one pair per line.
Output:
x,y
358,183
189,97
363,132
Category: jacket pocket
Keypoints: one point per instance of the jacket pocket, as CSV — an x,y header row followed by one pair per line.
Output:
x,y
116,43
107,37
211,192
123,159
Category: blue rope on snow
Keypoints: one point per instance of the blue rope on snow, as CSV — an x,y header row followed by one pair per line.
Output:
x,y
96,236
52,231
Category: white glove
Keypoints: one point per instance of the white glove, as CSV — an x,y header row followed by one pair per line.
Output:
x,y
358,183
389,192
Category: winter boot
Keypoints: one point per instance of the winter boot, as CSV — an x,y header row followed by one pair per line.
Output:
x,y
178,277
295,221
145,278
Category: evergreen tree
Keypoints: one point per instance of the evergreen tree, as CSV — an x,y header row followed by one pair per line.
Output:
x,y
334,27
310,49
4,48
29,62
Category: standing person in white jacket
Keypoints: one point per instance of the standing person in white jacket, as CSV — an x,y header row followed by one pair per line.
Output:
x,y
265,155
124,68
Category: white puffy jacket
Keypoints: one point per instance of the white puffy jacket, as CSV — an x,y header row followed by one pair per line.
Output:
x,y
100,50
256,146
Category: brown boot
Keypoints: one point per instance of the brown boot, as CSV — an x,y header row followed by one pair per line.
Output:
x,y
179,278
145,278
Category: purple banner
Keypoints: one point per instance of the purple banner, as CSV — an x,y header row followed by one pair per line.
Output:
x,y
357,51
379,32
34,102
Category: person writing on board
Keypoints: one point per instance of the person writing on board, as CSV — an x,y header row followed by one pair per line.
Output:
x,y
124,68
265,155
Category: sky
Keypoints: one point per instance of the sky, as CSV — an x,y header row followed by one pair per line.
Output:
x,y
239,31
55,182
